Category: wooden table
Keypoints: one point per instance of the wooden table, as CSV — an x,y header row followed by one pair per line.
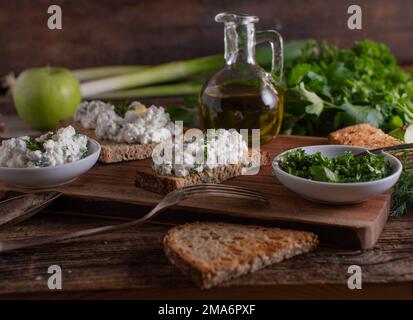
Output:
x,y
131,263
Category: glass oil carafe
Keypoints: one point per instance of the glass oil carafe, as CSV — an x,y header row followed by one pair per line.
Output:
x,y
242,95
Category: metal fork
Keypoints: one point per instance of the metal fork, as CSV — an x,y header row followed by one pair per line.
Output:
x,y
384,149
20,208
170,200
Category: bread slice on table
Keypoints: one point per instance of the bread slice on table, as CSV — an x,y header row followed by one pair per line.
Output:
x,y
362,135
113,152
211,253
148,179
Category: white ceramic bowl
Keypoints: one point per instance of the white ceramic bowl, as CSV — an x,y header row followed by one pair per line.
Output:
x,y
51,176
337,193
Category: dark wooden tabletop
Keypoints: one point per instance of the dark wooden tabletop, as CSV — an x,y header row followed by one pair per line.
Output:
x,y
131,263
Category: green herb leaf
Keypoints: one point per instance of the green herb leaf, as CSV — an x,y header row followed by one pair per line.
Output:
x,y
121,109
343,168
188,116
33,145
398,134
315,103
338,87
320,173
360,114
402,196
297,73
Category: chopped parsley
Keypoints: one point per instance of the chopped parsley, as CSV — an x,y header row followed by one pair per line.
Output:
x,y
195,167
84,152
65,150
121,109
33,145
344,168
41,163
50,136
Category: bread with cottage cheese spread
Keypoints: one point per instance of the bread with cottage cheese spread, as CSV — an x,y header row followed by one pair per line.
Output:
x,y
125,132
148,179
113,152
214,157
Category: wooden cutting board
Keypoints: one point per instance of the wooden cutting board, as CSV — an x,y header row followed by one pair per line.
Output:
x,y
352,225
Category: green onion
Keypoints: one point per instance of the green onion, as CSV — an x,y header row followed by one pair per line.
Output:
x,y
162,73
178,89
178,70
103,72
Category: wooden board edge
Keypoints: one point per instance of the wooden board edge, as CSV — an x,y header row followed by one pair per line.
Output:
x,y
369,235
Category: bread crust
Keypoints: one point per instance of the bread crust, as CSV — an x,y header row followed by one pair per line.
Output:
x,y
362,135
113,152
151,181
249,254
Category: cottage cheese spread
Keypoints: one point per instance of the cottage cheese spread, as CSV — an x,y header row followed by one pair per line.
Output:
x,y
135,124
88,112
217,149
50,149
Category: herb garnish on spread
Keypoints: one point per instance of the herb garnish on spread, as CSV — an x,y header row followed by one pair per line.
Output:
x,y
49,150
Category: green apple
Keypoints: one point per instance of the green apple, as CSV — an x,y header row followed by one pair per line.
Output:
x,y
44,96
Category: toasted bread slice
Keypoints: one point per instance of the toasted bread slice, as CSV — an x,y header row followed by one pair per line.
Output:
x,y
211,253
114,151
148,179
362,135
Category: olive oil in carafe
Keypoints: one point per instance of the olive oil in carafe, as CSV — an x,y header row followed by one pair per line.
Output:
x,y
243,107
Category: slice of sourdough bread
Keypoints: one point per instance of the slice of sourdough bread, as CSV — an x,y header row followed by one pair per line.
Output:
x,y
148,179
211,253
114,151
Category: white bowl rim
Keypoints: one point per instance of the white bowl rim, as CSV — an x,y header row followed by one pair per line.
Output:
x,y
349,184
93,141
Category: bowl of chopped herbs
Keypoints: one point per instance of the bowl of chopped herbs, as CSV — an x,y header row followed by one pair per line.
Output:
x,y
334,174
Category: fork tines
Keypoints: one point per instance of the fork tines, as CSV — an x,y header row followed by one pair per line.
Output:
x,y
221,189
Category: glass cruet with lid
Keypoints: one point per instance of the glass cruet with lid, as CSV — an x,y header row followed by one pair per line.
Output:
x,y
242,95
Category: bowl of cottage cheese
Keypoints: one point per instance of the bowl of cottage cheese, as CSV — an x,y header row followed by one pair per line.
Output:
x,y
52,159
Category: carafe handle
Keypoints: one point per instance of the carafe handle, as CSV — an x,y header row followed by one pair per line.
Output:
x,y
277,47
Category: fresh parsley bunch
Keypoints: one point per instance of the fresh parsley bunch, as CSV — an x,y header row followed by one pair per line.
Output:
x,y
330,88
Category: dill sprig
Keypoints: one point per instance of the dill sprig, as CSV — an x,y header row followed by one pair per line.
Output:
x,y
402,197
